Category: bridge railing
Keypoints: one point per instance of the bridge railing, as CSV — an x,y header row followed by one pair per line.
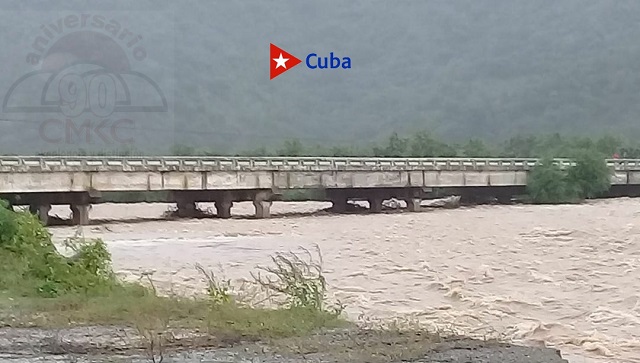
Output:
x,y
53,163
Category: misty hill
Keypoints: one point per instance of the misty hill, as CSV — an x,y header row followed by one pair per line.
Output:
x,y
485,69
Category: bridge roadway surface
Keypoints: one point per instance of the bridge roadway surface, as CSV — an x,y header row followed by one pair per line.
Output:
x,y
81,181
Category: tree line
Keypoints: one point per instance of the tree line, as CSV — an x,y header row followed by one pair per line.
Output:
x,y
419,144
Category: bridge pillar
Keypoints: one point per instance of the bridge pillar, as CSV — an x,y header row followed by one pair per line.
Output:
x,y
263,208
413,204
262,203
375,204
42,211
339,205
504,198
223,208
80,214
186,209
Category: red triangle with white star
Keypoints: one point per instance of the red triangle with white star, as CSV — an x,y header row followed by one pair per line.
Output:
x,y
281,61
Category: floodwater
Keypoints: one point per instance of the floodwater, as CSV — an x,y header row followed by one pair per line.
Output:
x,y
564,276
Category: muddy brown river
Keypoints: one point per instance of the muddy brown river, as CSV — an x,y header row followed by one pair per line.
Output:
x,y
561,276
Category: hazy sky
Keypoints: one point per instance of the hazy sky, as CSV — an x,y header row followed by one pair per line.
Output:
x,y
197,72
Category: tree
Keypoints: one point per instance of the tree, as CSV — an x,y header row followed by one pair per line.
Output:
x,y
608,145
182,150
475,148
591,176
396,147
424,145
547,183
291,148
521,147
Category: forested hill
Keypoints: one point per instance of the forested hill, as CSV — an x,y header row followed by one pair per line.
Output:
x,y
486,69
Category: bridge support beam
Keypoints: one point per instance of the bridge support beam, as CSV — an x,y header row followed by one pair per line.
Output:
x,y
263,208
42,211
80,214
413,204
223,208
339,205
262,203
504,198
186,209
375,204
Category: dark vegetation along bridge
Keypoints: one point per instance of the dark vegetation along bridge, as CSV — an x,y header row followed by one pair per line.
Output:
x,y
40,182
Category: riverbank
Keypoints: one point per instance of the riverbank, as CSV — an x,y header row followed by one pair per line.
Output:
x,y
108,344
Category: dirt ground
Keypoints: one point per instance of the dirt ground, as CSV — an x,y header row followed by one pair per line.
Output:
x,y
102,345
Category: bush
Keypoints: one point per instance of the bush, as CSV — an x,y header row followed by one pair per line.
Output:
x,y
219,292
300,282
547,183
30,263
589,178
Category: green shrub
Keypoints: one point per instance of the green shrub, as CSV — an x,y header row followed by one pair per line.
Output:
x,y
547,183
301,282
589,178
30,263
219,292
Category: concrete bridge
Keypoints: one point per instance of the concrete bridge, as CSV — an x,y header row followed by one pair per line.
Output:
x,y
81,181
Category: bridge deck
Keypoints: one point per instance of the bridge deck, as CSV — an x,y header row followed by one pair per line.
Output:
x,y
80,181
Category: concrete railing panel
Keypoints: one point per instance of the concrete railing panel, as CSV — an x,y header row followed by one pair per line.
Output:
x,y
48,164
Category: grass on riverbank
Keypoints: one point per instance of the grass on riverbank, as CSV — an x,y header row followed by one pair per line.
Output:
x,y
40,287
130,308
